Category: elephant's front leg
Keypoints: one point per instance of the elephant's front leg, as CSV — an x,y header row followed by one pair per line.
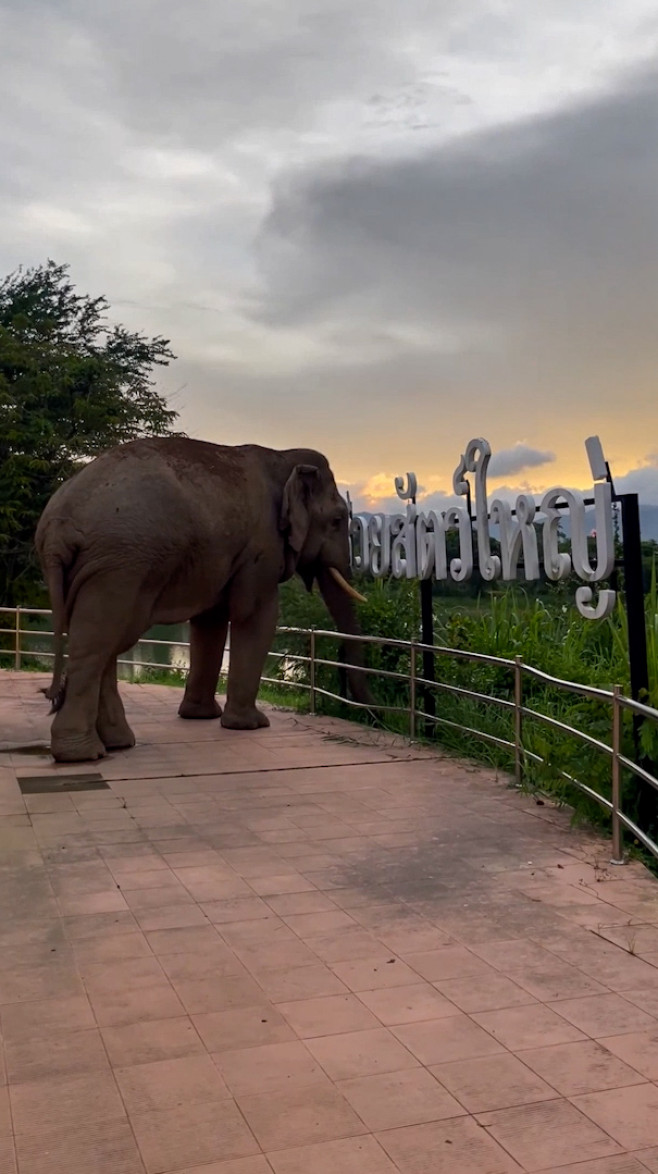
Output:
x,y
251,640
207,641
111,726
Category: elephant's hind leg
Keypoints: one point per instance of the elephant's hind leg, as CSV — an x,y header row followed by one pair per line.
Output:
x,y
207,642
73,736
111,726
98,631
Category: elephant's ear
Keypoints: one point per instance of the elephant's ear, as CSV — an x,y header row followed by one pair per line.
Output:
x,y
295,517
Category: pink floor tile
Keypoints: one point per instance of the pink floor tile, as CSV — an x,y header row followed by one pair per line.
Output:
x,y
258,1165
489,991
310,925
349,945
22,1021
360,1053
218,993
120,975
182,940
158,1001
390,1100
492,1082
73,1100
216,961
104,1146
242,1027
300,982
237,909
637,1049
271,886
629,1115
549,1132
295,1117
269,1068
113,948
446,962
170,917
360,1155
408,1004
291,904
164,1084
648,1158
446,1147
528,1027
580,1068
452,1038
8,1154
143,1043
327,1016
601,1015
622,1164
192,1134
68,1053
559,981
371,975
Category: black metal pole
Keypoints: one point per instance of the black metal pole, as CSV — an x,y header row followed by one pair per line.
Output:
x,y
637,637
427,637
427,630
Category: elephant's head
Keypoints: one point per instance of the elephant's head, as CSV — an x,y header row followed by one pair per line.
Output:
x,y
315,522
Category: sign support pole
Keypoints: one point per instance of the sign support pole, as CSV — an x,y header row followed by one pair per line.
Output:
x,y
637,637
427,637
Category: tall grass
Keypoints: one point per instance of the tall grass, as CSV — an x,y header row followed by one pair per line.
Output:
x,y
547,635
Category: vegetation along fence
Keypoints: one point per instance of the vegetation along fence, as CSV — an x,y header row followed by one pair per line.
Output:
x,y
612,770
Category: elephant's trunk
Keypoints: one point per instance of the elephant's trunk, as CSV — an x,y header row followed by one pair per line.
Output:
x,y
342,611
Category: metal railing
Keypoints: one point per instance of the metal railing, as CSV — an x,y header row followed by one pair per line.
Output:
x,y
520,673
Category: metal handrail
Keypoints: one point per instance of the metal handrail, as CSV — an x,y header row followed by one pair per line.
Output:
x,y
520,712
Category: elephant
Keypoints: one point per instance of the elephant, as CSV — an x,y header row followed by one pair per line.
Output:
x,y
168,529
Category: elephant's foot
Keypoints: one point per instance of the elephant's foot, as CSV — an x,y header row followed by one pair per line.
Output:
x,y
117,736
249,718
199,710
71,747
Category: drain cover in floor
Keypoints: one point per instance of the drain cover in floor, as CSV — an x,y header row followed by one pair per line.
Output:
x,y
53,784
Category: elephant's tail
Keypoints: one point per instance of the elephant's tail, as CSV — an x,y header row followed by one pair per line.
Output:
x,y
56,691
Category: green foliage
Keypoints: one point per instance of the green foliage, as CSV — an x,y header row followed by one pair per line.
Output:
x,y
546,633
71,385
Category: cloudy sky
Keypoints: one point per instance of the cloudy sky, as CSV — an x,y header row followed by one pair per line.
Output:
x,y
378,228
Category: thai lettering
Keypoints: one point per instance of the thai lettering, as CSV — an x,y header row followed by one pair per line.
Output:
x,y
415,544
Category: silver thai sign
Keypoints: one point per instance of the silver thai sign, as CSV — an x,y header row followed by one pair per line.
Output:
x,y
413,544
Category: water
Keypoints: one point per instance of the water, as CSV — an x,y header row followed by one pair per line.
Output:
x,y
176,655
173,655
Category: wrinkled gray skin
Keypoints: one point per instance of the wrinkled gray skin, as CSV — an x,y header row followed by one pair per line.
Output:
x,y
166,530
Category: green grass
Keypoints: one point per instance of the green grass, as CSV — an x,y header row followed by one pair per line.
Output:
x,y
548,634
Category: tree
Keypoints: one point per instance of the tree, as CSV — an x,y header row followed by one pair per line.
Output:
x,y
71,385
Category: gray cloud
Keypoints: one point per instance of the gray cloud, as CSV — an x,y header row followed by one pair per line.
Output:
x,y
531,250
356,223
642,480
506,462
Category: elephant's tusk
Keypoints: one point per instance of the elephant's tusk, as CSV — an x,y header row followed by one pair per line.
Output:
x,y
347,587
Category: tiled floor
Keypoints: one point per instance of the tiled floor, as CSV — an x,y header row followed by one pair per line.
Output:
x,y
310,950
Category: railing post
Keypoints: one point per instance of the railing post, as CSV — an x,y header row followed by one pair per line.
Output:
x,y
518,720
17,640
412,691
617,833
312,672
